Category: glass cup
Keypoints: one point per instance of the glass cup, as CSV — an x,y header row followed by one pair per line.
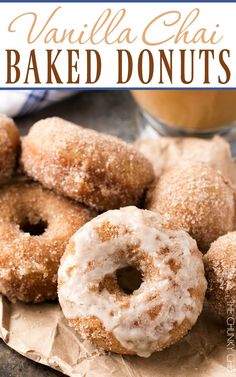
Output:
x,y
201,113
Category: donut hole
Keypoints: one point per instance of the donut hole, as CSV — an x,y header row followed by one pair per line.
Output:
x,y
34,228
129,279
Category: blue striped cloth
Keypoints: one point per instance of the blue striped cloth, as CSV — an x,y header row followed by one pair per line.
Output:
x,y
20,102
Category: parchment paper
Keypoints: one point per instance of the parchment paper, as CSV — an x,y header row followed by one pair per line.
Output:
x,y
41,333
166,152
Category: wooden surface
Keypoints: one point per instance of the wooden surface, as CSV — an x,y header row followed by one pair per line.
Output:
x,y
113,112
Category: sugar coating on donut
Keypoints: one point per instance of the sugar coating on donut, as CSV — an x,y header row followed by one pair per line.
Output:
x,y
197,199
158,313
9,145
220,267
98,170
29,263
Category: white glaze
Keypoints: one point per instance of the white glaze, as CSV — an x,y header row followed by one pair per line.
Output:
x,y
78,301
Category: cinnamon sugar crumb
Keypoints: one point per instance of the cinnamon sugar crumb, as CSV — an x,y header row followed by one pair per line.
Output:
x,y
174,265
153,312
106,231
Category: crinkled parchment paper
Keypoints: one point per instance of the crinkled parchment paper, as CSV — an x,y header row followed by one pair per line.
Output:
x,y
166,152
41,333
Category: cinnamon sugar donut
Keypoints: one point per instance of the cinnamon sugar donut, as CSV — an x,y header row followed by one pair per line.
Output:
x,y
35,225
197,199
98,170
220,267
152,311
9,145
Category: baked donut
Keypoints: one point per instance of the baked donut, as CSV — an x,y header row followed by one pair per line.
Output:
x,y
9,146
130,285
35,225
98,170
220,267
197,199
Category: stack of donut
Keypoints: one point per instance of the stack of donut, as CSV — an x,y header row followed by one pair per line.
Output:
x,y
199,197
87,218
78,172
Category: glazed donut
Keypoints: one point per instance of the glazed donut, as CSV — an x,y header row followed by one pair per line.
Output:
x,y
35,225
220,267
9,146
197,199
163,299
98,170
